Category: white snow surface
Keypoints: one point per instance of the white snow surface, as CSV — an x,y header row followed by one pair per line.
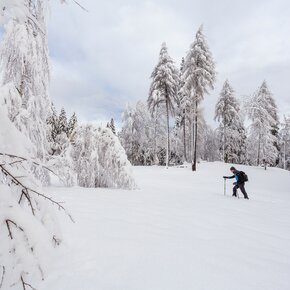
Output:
x,y
177,232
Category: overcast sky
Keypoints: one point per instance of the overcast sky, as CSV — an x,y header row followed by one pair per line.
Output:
x,y
103,59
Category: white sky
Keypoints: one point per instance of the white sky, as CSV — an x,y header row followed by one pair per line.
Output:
x,y
103,59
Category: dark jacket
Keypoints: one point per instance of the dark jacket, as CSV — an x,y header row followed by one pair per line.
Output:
x,y
236,176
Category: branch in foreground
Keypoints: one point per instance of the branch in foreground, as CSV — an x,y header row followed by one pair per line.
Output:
x,y
25,159
26,190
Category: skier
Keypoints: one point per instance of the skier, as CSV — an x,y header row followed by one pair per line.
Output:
x,y
240,182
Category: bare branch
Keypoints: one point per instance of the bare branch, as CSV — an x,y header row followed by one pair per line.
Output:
x,y
9,229
26,190
25,284
25,159
3,274
82,7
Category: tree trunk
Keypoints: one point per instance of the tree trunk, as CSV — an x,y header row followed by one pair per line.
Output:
x,y
259,148
167,116
224,140
155,136
132,147
190,139
195,139
184,140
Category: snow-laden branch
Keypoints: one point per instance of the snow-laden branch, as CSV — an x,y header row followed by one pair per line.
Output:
x,y
21,159
26,190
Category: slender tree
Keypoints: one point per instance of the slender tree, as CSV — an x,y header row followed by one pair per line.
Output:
x,y
112,126
164,89
285,142
72,124
199,76
63,124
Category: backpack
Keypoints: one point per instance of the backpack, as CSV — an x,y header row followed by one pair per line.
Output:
x,y
243,177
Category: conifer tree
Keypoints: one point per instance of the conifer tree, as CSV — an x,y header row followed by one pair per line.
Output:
x,y
231,129
285,143
199,76
112,126
164,89
63,125
263,141
72,124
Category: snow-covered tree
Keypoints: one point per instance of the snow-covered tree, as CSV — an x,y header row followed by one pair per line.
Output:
x,y
210,149
262,141
111,125
24,66
199,76
28,226
164,89
72,124
285,143
182,112
100,160
143,135
273,111
62,119
232,132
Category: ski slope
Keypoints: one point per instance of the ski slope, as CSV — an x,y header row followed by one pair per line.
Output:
x,y
177,232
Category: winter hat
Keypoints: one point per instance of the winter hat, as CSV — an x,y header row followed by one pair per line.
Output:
x,y
232,168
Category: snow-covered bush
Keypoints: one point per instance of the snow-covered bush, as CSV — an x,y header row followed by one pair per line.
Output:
x,y
99,159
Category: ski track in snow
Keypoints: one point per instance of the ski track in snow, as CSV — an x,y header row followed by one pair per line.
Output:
x,y
177,232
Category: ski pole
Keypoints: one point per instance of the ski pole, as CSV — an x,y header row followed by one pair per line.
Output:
x,y
224,186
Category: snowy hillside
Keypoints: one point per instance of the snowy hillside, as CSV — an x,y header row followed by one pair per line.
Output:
x,y
178,232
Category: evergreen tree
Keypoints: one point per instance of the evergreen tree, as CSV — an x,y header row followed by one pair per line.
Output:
x,y
143,135
72,124
183,109
273,111
112,126
164,89
285,143
198,75
262,141
62,119
52,122
231,129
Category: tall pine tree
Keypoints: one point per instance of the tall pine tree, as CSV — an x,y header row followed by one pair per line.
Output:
x,y
164,89
263,140
199,76
231,129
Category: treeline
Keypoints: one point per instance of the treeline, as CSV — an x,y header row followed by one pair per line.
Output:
x,y
170,127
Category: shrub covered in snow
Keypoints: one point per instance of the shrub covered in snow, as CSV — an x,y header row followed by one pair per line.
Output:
x,y
99,159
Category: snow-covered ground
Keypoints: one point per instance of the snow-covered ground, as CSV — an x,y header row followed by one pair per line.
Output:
x,y
177,232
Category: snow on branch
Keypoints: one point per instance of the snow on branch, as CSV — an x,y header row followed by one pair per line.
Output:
x,y
26,190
